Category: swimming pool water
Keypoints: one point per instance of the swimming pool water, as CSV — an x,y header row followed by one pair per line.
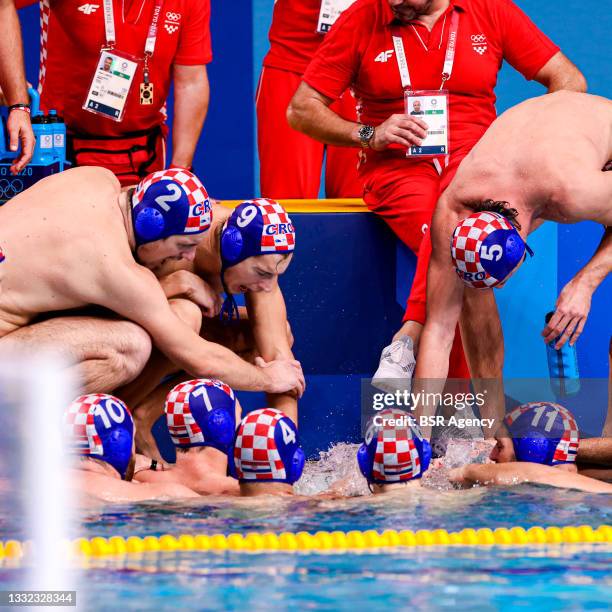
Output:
x,y
568,577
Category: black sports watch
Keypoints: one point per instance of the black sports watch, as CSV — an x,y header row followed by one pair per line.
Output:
x,y
366,133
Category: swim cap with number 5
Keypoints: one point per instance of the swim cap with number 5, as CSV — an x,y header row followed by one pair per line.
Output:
x,y
170,203
486,249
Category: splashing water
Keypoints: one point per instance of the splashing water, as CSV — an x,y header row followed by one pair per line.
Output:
x,y
335,471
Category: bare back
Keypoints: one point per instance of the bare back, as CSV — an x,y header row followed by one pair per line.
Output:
x,y
545,156
59,238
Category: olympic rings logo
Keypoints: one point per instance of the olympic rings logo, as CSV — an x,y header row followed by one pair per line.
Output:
x,y
173,16
478,38
10,188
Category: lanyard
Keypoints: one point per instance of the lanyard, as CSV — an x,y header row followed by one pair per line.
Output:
x,y
109,26
449,59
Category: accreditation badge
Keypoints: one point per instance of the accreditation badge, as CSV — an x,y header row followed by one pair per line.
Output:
x,y
432,108
111,85
330,11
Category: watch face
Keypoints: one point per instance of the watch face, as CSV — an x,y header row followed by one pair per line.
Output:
x,y
365,133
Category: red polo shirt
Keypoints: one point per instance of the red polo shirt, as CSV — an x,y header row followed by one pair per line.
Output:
x,y
293,35
73,34
358,52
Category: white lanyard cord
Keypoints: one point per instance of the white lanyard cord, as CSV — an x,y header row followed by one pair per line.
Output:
x,y
449,59
109,26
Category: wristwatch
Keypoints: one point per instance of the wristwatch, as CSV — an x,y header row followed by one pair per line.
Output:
x,y
366,133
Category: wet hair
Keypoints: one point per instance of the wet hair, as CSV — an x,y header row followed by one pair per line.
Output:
x,y
501,207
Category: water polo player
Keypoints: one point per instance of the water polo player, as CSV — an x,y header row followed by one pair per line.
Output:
x,y
393,453
245,251
266,458
99,430
503,190
74,240
201,417
546,440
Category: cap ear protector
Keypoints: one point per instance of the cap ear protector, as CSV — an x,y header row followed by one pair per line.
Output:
x,y
391,454
149,224
118,450
533,447
295,458
267,449
231,244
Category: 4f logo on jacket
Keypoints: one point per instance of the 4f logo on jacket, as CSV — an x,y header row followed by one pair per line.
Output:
x,y
384,56
88,9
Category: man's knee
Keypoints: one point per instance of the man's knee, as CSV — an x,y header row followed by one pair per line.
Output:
x,y
188,312
128,356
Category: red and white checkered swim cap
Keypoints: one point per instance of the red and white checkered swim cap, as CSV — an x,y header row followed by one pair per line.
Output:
x,y
170,203
256,227
201,412
486,249
393,449
543,432
267,448
100,425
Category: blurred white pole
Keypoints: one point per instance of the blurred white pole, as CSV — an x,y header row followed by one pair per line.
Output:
x,y
48,390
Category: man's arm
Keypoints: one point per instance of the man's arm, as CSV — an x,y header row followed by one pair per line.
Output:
x,y
574,302
13,86
595,450
444,297
133,292
191,96
560,73
268,317
509,474
309,113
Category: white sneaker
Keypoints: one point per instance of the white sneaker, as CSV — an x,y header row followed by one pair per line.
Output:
x,y
396,367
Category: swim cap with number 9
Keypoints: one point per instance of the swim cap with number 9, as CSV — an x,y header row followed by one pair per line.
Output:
x,y
256,227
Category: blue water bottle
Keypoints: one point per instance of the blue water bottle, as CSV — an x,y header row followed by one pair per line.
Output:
x,y
59,137
562,366
44,154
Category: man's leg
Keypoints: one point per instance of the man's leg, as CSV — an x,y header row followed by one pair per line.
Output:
x,y
289,162
405,196
607,428
106,353
341,177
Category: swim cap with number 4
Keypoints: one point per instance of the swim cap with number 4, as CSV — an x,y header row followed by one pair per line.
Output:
x,y
486,249
256,227
267,448
170,203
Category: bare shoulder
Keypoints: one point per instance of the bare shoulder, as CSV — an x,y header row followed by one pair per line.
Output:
x,y
166,490
221,212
